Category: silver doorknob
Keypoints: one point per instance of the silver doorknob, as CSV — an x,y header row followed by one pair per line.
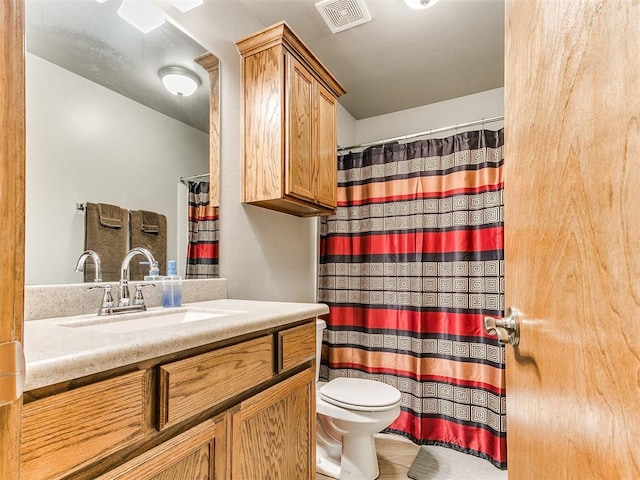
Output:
x,y
507,329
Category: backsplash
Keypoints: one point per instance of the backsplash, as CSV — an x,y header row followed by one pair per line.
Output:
x,y
50,301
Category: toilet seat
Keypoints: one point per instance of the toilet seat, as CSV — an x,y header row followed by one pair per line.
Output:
x,y
360,394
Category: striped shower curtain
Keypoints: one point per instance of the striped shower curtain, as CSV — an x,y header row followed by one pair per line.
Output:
x,y
204,231
410,264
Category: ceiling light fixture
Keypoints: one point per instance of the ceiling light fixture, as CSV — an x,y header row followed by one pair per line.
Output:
x,y
186,5
142,14
421,4
145,15
179,81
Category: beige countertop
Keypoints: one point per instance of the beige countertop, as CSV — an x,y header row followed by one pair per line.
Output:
x,y
56,353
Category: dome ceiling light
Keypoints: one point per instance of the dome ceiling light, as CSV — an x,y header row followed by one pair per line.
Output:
x,y
421,4
179,81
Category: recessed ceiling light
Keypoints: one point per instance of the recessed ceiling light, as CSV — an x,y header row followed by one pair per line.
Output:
x,y
179,81
420,4
142,14
185,5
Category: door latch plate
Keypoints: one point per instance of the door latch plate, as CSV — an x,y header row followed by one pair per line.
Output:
x,y
12,372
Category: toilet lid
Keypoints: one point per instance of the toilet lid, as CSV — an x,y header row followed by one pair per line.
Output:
x,y
360,394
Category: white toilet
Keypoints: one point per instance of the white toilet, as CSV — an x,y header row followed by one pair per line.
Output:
x,y
349,412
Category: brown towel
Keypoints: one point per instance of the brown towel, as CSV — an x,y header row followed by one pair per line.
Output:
x,y
110,215
148,230
150,222
105,233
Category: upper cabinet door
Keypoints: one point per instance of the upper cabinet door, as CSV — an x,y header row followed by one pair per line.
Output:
x,y
300,167
325,140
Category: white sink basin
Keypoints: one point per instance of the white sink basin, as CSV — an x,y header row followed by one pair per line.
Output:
x,y
132,322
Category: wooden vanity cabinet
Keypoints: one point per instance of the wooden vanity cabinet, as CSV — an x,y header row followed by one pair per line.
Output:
x,y
244,410
290,122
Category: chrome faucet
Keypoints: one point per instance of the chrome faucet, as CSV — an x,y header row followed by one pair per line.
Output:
x,y
123,285
96,260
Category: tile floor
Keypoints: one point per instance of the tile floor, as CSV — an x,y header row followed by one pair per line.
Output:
x,y
396,455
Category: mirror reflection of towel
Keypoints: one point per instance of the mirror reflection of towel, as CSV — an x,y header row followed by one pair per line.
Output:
x,y
105,233
148,230
150,222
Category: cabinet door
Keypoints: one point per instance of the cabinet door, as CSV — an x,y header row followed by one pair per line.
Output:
x,y
197,454
273,432
300,166
326,142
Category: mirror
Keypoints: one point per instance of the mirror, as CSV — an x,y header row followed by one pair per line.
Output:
x,y
102,128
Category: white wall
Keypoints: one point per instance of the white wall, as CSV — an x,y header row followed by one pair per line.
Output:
x,y
437,115
347,126
86,143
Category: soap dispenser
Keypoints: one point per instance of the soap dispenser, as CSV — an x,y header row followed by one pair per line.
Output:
x,y
172,286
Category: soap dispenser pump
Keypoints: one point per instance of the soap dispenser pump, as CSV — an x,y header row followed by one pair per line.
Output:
x,y
172,286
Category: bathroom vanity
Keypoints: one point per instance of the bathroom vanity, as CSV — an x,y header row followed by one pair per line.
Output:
x,y
173,395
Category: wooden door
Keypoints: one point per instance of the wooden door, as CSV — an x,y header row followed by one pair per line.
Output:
x,y
12,155
572,233
325,137
300,171
273,433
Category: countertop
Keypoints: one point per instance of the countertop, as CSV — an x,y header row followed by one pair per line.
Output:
x,y
55,353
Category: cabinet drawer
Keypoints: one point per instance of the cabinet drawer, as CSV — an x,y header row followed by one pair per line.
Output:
x,y
190,386
66,431
296,346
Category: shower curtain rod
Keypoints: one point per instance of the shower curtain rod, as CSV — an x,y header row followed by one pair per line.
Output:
x,y
427,132
193,177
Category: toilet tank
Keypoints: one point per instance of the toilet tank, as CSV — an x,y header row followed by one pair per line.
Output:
x,y
320,326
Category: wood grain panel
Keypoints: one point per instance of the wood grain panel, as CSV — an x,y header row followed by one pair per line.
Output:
x,y
300,166
188,387
296,346
273,432
326,140
72,429
264,135
12,160
281,34
212,65
301,445
294,206
572,176
188,456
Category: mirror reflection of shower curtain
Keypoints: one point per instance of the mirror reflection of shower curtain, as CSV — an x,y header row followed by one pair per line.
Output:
x,y
410,264
204,233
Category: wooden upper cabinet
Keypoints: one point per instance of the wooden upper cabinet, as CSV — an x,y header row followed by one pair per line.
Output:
x,y
290,121
326,138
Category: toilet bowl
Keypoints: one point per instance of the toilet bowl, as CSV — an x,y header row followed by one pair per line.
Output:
x,y
349,412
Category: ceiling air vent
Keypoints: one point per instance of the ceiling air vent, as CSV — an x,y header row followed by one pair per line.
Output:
x,y
343,14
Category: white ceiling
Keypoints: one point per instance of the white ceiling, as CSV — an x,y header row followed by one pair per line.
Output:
x,y
403,58
89,39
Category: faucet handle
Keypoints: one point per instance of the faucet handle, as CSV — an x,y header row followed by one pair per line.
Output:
x,y
107,298
138,299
